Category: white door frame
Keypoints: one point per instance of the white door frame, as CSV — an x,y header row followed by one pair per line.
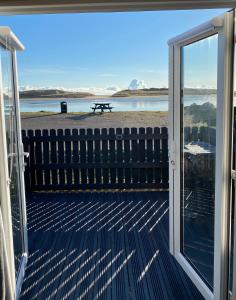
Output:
x,y
5,193
9,41
21,156
223,26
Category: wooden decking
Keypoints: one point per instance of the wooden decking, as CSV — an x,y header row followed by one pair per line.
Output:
x,y
102,245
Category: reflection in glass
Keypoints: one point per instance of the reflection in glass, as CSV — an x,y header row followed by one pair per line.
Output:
x,y
198,140
10,124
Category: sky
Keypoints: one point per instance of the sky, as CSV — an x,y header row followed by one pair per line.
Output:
x,y
102,52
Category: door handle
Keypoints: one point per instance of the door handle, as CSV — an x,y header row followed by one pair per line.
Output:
x,y
25,154
172,154
24,164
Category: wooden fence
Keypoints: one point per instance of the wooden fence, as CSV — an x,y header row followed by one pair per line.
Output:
x,y
96,159
203,134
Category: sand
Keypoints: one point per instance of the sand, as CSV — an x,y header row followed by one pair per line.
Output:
x,y
91,120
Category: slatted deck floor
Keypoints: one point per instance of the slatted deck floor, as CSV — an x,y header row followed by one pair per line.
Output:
x,y
107,245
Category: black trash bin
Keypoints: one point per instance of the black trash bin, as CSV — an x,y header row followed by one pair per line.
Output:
x,y
63,107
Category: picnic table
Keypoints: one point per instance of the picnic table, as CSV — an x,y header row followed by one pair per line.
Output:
x,y
102,106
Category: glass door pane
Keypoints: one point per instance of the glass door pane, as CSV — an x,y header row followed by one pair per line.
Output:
x,y
198,152
12,151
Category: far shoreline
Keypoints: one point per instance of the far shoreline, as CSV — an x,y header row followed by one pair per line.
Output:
x,y
93,97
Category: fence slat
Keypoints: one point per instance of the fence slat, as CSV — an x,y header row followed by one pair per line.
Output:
x,y
31,158
212,136
194,134
187,134
75,158
157,155
203,134
105,170
38,157
134,156
141,153
46,157
91,175
27,163
83,158
112,155
54,158
165,171
68,157
98,156
119,154
149,155
127,157
61,157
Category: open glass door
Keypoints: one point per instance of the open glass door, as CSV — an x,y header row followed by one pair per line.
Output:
x,y
13,150
201,102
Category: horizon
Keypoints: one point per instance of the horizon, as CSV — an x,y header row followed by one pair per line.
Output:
x,y
101,53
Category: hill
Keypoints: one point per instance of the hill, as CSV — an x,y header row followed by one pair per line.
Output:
x,y
142,92
160,92
53,94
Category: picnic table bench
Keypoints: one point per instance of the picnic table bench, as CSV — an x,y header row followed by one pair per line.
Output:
x,y
102,106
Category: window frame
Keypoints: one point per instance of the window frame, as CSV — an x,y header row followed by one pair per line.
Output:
x,y
11,7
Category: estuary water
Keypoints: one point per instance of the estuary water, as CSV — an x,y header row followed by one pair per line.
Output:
x,y
120,104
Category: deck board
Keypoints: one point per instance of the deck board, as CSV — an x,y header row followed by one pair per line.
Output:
x,y
106,245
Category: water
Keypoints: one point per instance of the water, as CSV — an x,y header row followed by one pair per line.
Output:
x,y
84,105
119,104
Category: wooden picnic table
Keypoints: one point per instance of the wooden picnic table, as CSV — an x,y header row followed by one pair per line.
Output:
x,y
102,106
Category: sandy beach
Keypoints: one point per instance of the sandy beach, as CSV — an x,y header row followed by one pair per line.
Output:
x,y
91,120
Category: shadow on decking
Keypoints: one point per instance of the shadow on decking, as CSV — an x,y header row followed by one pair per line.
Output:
x,y
111,245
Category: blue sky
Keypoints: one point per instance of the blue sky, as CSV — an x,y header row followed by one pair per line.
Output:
x,y
99,50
